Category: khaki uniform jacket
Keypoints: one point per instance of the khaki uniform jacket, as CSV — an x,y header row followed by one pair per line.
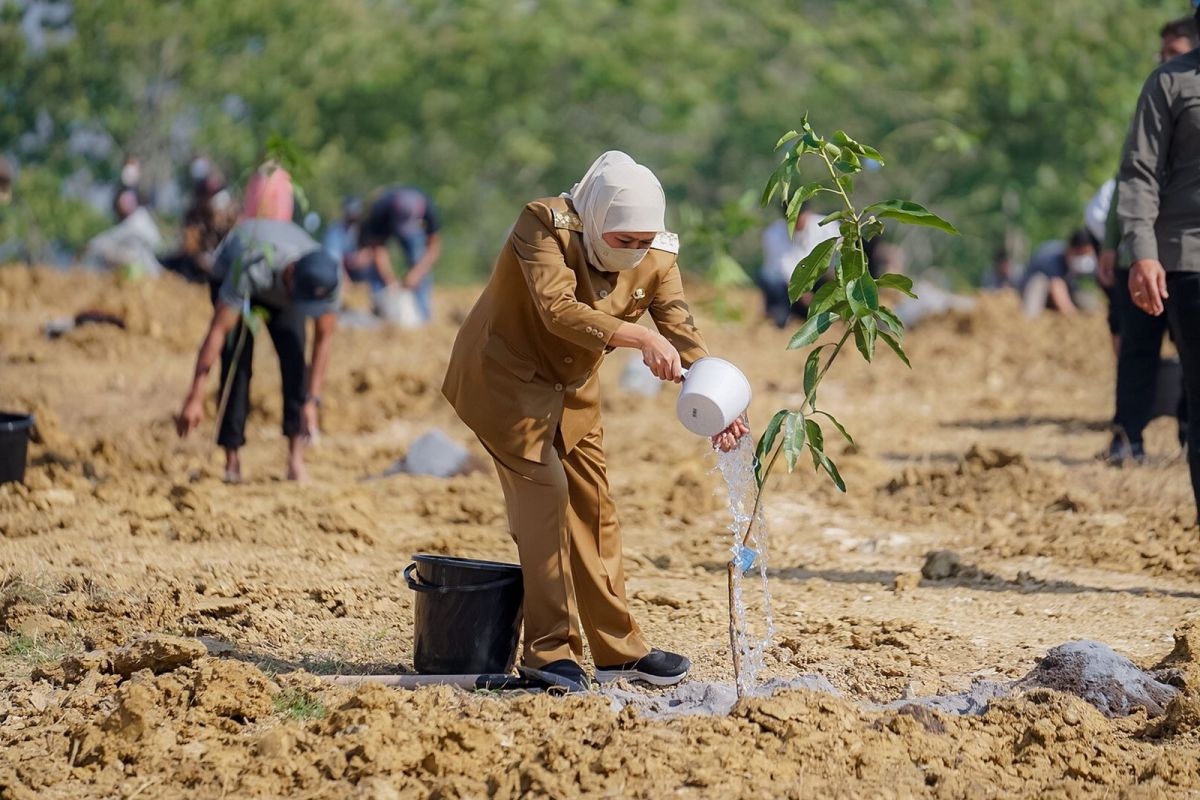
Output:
x,y
526,360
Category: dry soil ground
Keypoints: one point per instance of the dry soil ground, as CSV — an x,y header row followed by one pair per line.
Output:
x,y
986,448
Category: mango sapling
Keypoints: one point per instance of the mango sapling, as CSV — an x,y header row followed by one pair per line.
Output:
x,y
849,298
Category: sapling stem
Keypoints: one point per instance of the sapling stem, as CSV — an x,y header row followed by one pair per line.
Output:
x,y
858,307
733,634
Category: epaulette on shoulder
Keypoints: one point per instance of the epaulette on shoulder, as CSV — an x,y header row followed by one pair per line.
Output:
x,y
667,242
568,220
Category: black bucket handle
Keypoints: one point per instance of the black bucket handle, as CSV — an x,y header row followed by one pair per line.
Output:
x,y
477,587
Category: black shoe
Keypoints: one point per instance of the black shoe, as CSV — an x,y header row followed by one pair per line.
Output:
x,y
659,668
1122,450
563,674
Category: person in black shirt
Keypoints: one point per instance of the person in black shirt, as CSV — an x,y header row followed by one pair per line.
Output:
x,y
408,216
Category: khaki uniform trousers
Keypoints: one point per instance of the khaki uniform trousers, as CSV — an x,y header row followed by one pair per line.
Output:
x,y
565,525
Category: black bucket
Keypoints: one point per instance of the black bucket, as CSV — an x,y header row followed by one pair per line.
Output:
x,y
467,615
14,445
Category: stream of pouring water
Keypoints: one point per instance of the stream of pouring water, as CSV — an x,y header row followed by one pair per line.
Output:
x,y
737,468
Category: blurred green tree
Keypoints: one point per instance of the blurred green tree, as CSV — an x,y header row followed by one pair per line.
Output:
x,y
1005,120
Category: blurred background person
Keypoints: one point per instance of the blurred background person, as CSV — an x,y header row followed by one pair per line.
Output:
x,y
341,239
277,267
1002,275
407,216
1051,278
209,217
781,252
132,244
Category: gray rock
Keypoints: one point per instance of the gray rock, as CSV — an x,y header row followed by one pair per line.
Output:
x,y
941,564
434,454
1102,677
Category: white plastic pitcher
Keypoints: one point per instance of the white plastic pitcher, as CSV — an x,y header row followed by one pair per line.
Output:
x,y
714,394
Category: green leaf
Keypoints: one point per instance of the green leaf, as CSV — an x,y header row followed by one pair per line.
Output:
x,y
833,217
831,151
846,183
845,434
811,330
812,368
858,148
864,337
811,267
785,138
793,438
853,263
901,283
896,346
849,163
862,295
867,151
832,469
910,213
773,184
805,192
816,441
766,444
828,296
871,229
889,318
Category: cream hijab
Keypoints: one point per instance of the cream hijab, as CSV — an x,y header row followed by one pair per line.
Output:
x,y
617,194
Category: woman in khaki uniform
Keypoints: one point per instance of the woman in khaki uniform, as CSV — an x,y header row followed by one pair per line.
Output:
x,y
576,273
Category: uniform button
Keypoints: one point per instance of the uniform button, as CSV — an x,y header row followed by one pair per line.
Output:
x,y
603,293
558,387
568,360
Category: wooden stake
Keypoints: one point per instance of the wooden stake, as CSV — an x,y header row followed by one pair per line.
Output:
x,y
733,635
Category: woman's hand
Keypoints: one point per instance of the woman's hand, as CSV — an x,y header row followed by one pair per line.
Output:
x,y
728,439
657,353
661,357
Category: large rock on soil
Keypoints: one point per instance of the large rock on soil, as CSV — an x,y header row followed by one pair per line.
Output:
x,y
1098,674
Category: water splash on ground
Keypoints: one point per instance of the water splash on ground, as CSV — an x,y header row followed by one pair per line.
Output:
x,y
737,468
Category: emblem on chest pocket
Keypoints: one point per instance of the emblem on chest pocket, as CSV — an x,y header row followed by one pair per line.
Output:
x,y
639,294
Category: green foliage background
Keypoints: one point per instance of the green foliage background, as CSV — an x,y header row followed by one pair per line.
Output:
x,y
998,116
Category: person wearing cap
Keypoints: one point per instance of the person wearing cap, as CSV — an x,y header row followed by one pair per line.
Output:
x,y
268,268
575,275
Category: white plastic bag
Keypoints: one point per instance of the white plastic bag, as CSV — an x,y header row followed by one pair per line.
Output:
x,y
398,305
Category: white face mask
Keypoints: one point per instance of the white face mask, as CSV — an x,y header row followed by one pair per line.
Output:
x,y
1082,265
616,259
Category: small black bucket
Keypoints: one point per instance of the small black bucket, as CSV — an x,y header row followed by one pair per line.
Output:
x,y
467,615
14,445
